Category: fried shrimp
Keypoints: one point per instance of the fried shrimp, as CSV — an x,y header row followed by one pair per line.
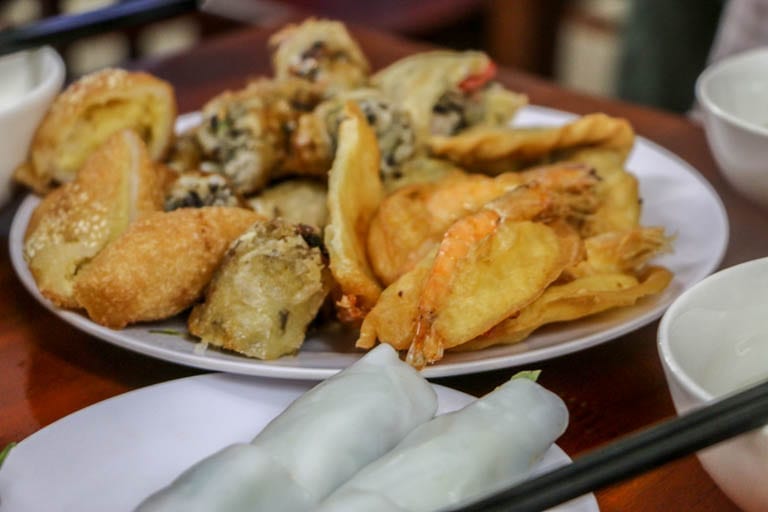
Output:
x,y
412,220
500,225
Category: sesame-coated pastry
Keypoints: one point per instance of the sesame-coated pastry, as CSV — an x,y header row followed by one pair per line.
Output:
x,y
117,184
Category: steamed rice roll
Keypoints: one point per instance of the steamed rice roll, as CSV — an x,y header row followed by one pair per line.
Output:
x,y
316,444
458,456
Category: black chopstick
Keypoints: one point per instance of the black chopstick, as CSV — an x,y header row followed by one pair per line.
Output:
x,y
65,28
635,454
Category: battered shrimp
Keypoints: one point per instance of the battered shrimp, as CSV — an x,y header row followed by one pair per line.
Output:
x,y
535,202
411,221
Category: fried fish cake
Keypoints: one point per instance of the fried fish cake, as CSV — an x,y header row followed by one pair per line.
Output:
x,y
160,265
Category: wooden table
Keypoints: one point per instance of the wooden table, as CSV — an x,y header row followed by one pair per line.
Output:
x,y
49,369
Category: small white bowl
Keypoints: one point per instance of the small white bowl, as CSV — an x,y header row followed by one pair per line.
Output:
x,y
29,81
733,94
713,341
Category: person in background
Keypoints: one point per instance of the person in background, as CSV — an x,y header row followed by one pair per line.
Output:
x,y
665,47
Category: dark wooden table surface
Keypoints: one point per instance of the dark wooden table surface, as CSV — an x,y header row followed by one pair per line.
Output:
x,y
49,369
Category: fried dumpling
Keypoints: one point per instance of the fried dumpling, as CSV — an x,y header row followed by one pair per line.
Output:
x,y
160,265
267,290
244,134
321,52
117,185
87,113
315,138
446,91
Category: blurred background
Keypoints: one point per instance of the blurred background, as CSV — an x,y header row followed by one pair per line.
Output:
x,y
645,51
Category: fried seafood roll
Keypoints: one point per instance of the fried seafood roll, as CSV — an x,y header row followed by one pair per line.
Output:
x,y
295,201
160,265
321,52
316,444
268,289
459,456
245,133
446,92
117,184
197,189
87,113
315,139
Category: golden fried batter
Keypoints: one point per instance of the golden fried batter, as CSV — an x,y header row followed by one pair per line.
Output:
x,y
160,265
493,149
270,286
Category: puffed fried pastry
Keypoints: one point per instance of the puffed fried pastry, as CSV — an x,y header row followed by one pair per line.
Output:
x,y
117,185
321,52
87,113
270,286
160,265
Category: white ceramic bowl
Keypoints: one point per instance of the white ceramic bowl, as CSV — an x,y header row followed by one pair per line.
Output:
x,y
733,94
29,81
713,341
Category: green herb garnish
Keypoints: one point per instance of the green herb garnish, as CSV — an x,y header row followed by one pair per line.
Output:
x,y
6,451
530,375
170,332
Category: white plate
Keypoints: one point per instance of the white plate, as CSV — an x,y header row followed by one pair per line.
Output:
x,y
112,455
674,196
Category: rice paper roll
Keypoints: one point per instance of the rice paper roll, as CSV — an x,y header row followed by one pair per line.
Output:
x,y
316,444
459,456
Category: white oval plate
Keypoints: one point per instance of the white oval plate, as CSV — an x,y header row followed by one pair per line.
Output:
x,y
113,454
674,195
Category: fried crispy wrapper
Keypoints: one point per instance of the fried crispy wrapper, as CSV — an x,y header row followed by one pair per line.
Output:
x,y
618,193
160,265
87,113
447,91
320,52
497,149
354,194
267,290
577,299
117,185
621,251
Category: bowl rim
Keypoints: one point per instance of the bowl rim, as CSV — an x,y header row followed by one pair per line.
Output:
x,y
710,105
663,338
50,83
